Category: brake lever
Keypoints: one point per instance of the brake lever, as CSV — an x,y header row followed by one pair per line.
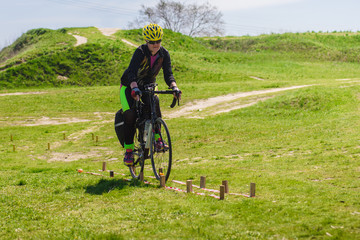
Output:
x,y
176,99
173,103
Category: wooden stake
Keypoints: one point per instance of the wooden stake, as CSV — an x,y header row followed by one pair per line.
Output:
x,y
92,136
48,146
142,176
14,148
226,184
252,189
202,181
189,186
11,138
162,181
111,173
222,192
64,136
97,138
104,166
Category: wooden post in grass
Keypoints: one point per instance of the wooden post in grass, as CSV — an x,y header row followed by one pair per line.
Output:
x,y
222,192
14,148
111,173
252,189
104,166
162,181
97,138
92,136
202,182
189,186
48,146
226,184
64,136
11,137
142,176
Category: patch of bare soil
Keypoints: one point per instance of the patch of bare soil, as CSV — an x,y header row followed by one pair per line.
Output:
x,y
70,157
108,31
191,110
20,93
50,121
257,78
347,79
228,107
58,121
81,134
80,40
77,136
74,156
129,43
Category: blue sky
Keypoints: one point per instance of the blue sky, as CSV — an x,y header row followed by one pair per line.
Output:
x,y
242,17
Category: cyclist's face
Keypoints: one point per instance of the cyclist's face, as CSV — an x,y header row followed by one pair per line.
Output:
x,y
154,47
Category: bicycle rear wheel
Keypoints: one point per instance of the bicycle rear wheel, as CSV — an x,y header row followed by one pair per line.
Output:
x,y
161,149
138,166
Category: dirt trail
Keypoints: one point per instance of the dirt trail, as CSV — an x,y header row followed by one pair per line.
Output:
x,y
223,103
110,31
20,93
212,106
191,110
52,121
79,39
129,43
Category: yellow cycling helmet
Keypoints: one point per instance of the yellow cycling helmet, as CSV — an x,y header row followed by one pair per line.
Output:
x,y
152,32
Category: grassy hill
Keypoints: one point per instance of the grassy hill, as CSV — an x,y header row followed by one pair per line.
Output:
x,y
44,57
300,146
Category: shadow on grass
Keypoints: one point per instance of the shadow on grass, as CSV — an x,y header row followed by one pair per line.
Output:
x,y
108,185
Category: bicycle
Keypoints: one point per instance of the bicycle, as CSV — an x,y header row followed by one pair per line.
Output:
x,y
152,132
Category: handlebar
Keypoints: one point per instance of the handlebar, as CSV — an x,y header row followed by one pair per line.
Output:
x,y
151,87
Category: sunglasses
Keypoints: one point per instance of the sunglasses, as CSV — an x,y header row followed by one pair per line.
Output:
x,y
154,42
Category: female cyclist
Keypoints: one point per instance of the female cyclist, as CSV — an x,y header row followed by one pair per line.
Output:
x,y
144,66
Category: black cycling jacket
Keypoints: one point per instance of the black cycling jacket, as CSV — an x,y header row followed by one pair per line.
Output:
x,y
140,70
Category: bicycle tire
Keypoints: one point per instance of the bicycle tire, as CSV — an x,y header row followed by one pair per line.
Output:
x,y
138,166
161,159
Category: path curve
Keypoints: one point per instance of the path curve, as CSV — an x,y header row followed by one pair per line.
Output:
x,y
79,40
108,31
189,109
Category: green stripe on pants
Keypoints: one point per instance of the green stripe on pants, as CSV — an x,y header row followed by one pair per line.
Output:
x,y
123,100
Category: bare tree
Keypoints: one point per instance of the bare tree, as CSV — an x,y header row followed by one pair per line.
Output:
x,y
204,20
192,20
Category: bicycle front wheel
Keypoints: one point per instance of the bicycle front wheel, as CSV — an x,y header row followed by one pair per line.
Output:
x,y
138,166
160,149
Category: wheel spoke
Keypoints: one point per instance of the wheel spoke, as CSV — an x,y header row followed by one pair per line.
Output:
x,y
139,156
160,150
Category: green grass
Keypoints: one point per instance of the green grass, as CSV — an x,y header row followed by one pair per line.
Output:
x,y
300,147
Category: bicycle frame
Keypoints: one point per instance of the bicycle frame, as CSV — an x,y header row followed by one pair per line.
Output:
x,y
144,150
150,92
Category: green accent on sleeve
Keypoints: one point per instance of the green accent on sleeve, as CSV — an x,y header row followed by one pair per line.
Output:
x,y
157,136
